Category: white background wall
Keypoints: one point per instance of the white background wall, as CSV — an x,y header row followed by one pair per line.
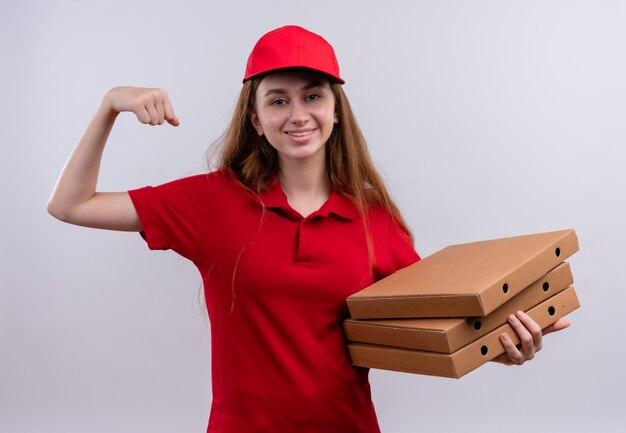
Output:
x,y
487,119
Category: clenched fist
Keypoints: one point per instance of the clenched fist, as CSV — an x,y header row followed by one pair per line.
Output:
x,y
151,106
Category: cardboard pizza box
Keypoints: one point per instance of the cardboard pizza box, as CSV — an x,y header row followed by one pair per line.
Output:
x,y
449,334
464,280
466,359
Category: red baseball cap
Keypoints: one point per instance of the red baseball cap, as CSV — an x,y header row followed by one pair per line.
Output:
x,y
292,47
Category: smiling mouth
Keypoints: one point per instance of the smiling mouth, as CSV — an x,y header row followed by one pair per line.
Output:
x,y
301,133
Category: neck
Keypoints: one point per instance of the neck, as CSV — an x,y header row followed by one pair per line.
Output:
x,y
305,181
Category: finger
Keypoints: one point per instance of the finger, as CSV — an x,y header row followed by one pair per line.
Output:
x,y
512,351
534,329
142,114
169,113
557,326
160,113
154,116
525,337
503,359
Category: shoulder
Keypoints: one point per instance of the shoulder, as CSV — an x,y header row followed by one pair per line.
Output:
x,y
393,245
205,189
386,230
380,217
220,180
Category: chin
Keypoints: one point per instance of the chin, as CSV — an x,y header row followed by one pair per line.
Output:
x,y
303,154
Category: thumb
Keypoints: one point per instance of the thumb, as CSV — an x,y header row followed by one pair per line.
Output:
x,y
557,326
173,121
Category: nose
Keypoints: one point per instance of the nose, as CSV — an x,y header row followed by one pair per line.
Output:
x,y
299,114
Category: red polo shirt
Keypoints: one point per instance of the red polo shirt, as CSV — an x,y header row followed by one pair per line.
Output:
x,y
279,357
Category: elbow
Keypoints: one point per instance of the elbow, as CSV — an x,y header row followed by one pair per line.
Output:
x,y
57,212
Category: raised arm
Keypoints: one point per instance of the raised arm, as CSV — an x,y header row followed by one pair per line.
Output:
x,y
74,199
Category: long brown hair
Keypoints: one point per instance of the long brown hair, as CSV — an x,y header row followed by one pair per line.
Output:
x,y
348,162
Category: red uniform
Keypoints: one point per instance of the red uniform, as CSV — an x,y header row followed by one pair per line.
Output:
x,y
279,357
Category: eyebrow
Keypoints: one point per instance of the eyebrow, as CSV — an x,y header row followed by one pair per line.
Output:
x,y
279,91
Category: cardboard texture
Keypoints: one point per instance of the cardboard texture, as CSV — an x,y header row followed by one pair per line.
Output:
x,y
466,359
449,334
464,280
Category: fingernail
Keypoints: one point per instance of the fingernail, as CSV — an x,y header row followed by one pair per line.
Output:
x,y
520,314
511,318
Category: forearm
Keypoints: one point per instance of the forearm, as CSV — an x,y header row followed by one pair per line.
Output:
x,y
77,181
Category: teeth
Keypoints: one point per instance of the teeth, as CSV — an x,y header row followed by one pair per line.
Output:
x,y
300,134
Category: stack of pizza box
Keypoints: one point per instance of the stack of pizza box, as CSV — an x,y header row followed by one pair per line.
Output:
x,y
443,315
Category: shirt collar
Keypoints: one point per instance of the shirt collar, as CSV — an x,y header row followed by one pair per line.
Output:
x,y
274,198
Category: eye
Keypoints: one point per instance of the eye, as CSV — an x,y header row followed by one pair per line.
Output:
x,y
312,97
279,101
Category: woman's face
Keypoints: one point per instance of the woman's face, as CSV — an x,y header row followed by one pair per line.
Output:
x,y
295,110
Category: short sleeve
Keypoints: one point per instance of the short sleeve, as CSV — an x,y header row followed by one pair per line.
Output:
x,y
393,245
173,215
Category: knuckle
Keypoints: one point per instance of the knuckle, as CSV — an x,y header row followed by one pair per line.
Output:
x,y
515,358
147,98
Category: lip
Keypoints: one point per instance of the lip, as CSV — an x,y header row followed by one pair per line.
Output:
x,y
301,139
299,131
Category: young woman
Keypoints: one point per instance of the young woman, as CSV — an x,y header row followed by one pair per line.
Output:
x,y
293,221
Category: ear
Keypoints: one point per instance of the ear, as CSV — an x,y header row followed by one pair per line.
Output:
x,y
256,123
336,119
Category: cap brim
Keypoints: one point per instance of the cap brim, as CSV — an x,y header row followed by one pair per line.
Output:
x,y
296,68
